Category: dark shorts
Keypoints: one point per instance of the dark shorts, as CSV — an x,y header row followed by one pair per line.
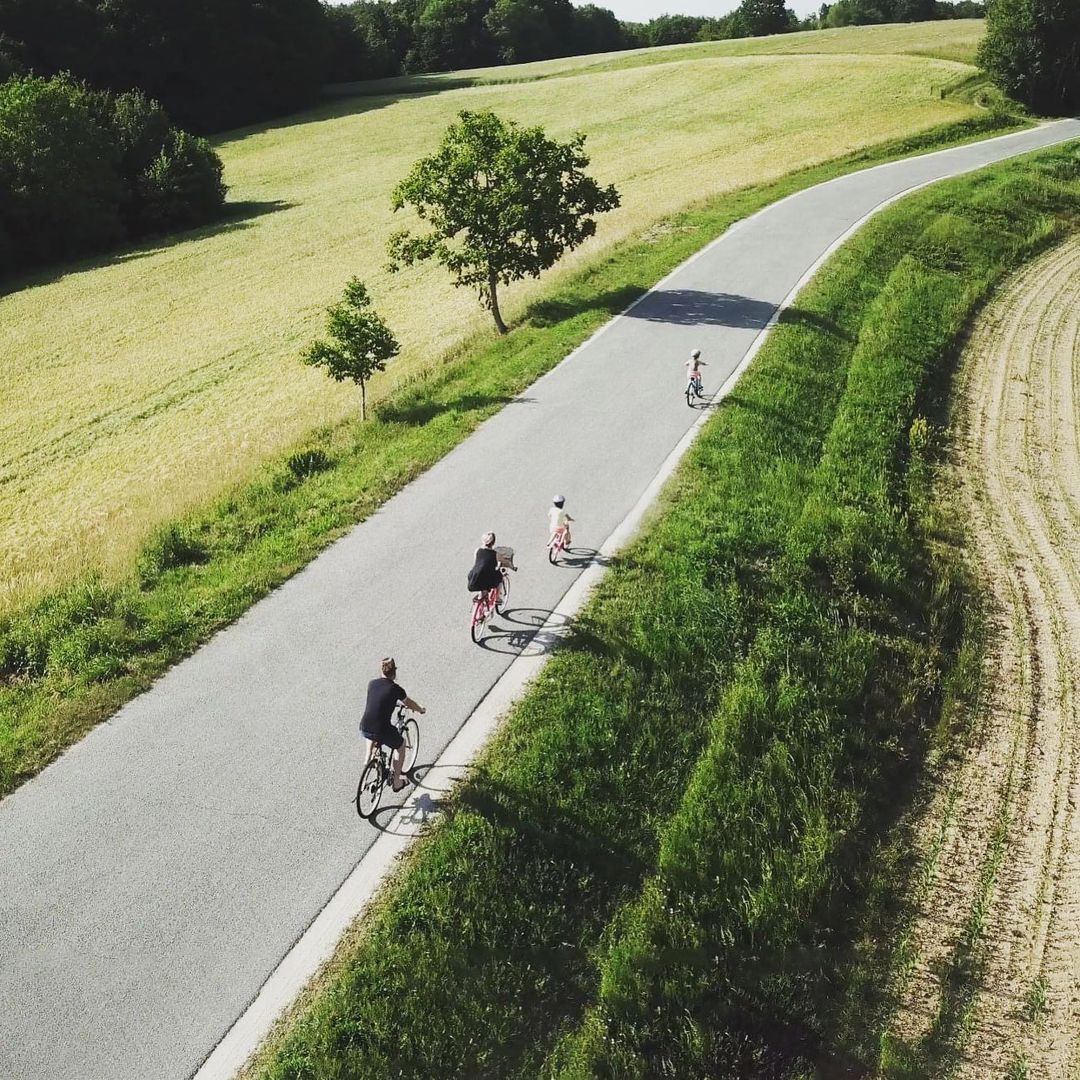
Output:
x,y
389,736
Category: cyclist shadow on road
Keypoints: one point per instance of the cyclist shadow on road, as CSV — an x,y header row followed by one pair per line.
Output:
x,y
419,808
578,558
525,632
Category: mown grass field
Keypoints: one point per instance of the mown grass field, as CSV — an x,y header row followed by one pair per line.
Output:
x,y
138,387
663,866
958,42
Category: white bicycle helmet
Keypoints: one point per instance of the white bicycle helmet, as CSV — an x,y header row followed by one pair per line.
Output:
x,y
559,500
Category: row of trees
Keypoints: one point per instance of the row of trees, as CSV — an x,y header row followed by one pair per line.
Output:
x,y
865,12
213,64
379,38
83,170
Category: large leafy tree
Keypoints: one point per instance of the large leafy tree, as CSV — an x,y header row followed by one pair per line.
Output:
x,y
504,202
760,17
360,342
452,34
521,31
1032,51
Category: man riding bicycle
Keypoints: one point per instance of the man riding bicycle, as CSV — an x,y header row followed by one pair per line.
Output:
x,y
376,725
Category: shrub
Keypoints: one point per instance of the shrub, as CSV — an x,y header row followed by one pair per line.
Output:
x,y
81,170
1030,51
182,186
139,128
58,170
306,463
174,546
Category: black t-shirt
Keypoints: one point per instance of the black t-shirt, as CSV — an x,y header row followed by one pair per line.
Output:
x,y
382,695
485,571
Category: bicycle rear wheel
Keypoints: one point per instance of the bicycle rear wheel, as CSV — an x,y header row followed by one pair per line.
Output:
x,y
369,790
411,732
690,393
553,551
479,619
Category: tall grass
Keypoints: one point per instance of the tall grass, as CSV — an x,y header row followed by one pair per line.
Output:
x,y
644,874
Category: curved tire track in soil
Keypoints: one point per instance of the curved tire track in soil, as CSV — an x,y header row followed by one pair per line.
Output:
x,y
994,986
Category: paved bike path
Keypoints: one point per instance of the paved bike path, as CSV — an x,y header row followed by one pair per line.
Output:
x,y
152,878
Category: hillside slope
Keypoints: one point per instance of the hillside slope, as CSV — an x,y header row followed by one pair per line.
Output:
x,y
140,385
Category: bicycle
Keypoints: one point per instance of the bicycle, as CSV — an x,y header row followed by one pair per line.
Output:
x,y
557,545
378,769
694,387
491,602
487,603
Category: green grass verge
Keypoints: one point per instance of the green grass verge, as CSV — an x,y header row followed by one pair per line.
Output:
x,y
71,659
648,874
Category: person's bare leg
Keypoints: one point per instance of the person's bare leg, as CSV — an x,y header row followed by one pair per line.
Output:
x,y
399,762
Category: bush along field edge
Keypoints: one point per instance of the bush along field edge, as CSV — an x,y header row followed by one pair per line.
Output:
x,y
69,659
663,864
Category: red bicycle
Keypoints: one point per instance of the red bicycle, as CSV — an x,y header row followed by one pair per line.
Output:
x,y
557,545
492,602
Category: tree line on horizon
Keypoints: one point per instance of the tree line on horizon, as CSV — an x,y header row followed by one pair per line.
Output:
x,y
373,39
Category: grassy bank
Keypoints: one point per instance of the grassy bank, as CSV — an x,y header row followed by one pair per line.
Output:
x,y
140,387
651,871
68,660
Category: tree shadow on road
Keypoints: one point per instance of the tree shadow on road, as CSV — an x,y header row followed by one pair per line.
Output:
x,y
692,307
550,312
418,413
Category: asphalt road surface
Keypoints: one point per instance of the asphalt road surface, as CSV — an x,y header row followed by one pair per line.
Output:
x,y
153,877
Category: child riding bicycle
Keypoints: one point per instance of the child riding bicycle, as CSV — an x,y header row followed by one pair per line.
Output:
x,y
559,521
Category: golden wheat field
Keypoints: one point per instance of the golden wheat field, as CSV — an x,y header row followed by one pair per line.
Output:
x,y
137,386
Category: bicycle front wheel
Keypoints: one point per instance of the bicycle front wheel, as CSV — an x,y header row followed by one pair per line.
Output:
x,y
502,594
369,790
410,730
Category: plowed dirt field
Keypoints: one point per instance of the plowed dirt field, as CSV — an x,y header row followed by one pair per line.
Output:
x,y
995,990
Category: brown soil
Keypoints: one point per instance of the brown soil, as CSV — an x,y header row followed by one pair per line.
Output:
x,y
994,983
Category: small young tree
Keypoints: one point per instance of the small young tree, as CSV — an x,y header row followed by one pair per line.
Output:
x,y
504,202
360,342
